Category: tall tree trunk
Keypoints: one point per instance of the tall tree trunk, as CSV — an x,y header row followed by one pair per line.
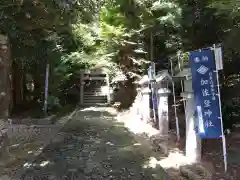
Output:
x,y
196,36
25,90
5,93
17,86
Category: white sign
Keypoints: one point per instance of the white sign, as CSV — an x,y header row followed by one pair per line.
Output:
x,y
218,58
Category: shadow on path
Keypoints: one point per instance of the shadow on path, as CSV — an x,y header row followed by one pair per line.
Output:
x,y
94,146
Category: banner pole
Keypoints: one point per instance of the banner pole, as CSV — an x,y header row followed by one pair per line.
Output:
x,y
153,91
223,136
45,106
182,86
175,107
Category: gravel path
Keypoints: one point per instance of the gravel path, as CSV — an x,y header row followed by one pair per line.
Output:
x,y
94,146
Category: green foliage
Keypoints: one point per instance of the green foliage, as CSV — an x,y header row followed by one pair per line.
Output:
x,y
84,35
53,103
80,59
231,114
121,35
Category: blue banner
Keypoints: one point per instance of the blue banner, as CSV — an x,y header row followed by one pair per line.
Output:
x,y
204,83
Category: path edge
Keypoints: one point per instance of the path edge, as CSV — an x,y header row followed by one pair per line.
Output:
x,y
61,123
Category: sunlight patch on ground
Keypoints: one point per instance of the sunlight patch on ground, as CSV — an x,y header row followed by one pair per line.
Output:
x,y
89,109
135,126
94,108
174,160
151,163
44,163
27,165
15,145
109,143
100,109
30,152
137,144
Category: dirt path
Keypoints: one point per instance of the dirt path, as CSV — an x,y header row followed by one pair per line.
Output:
x,y
26,141
94,146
